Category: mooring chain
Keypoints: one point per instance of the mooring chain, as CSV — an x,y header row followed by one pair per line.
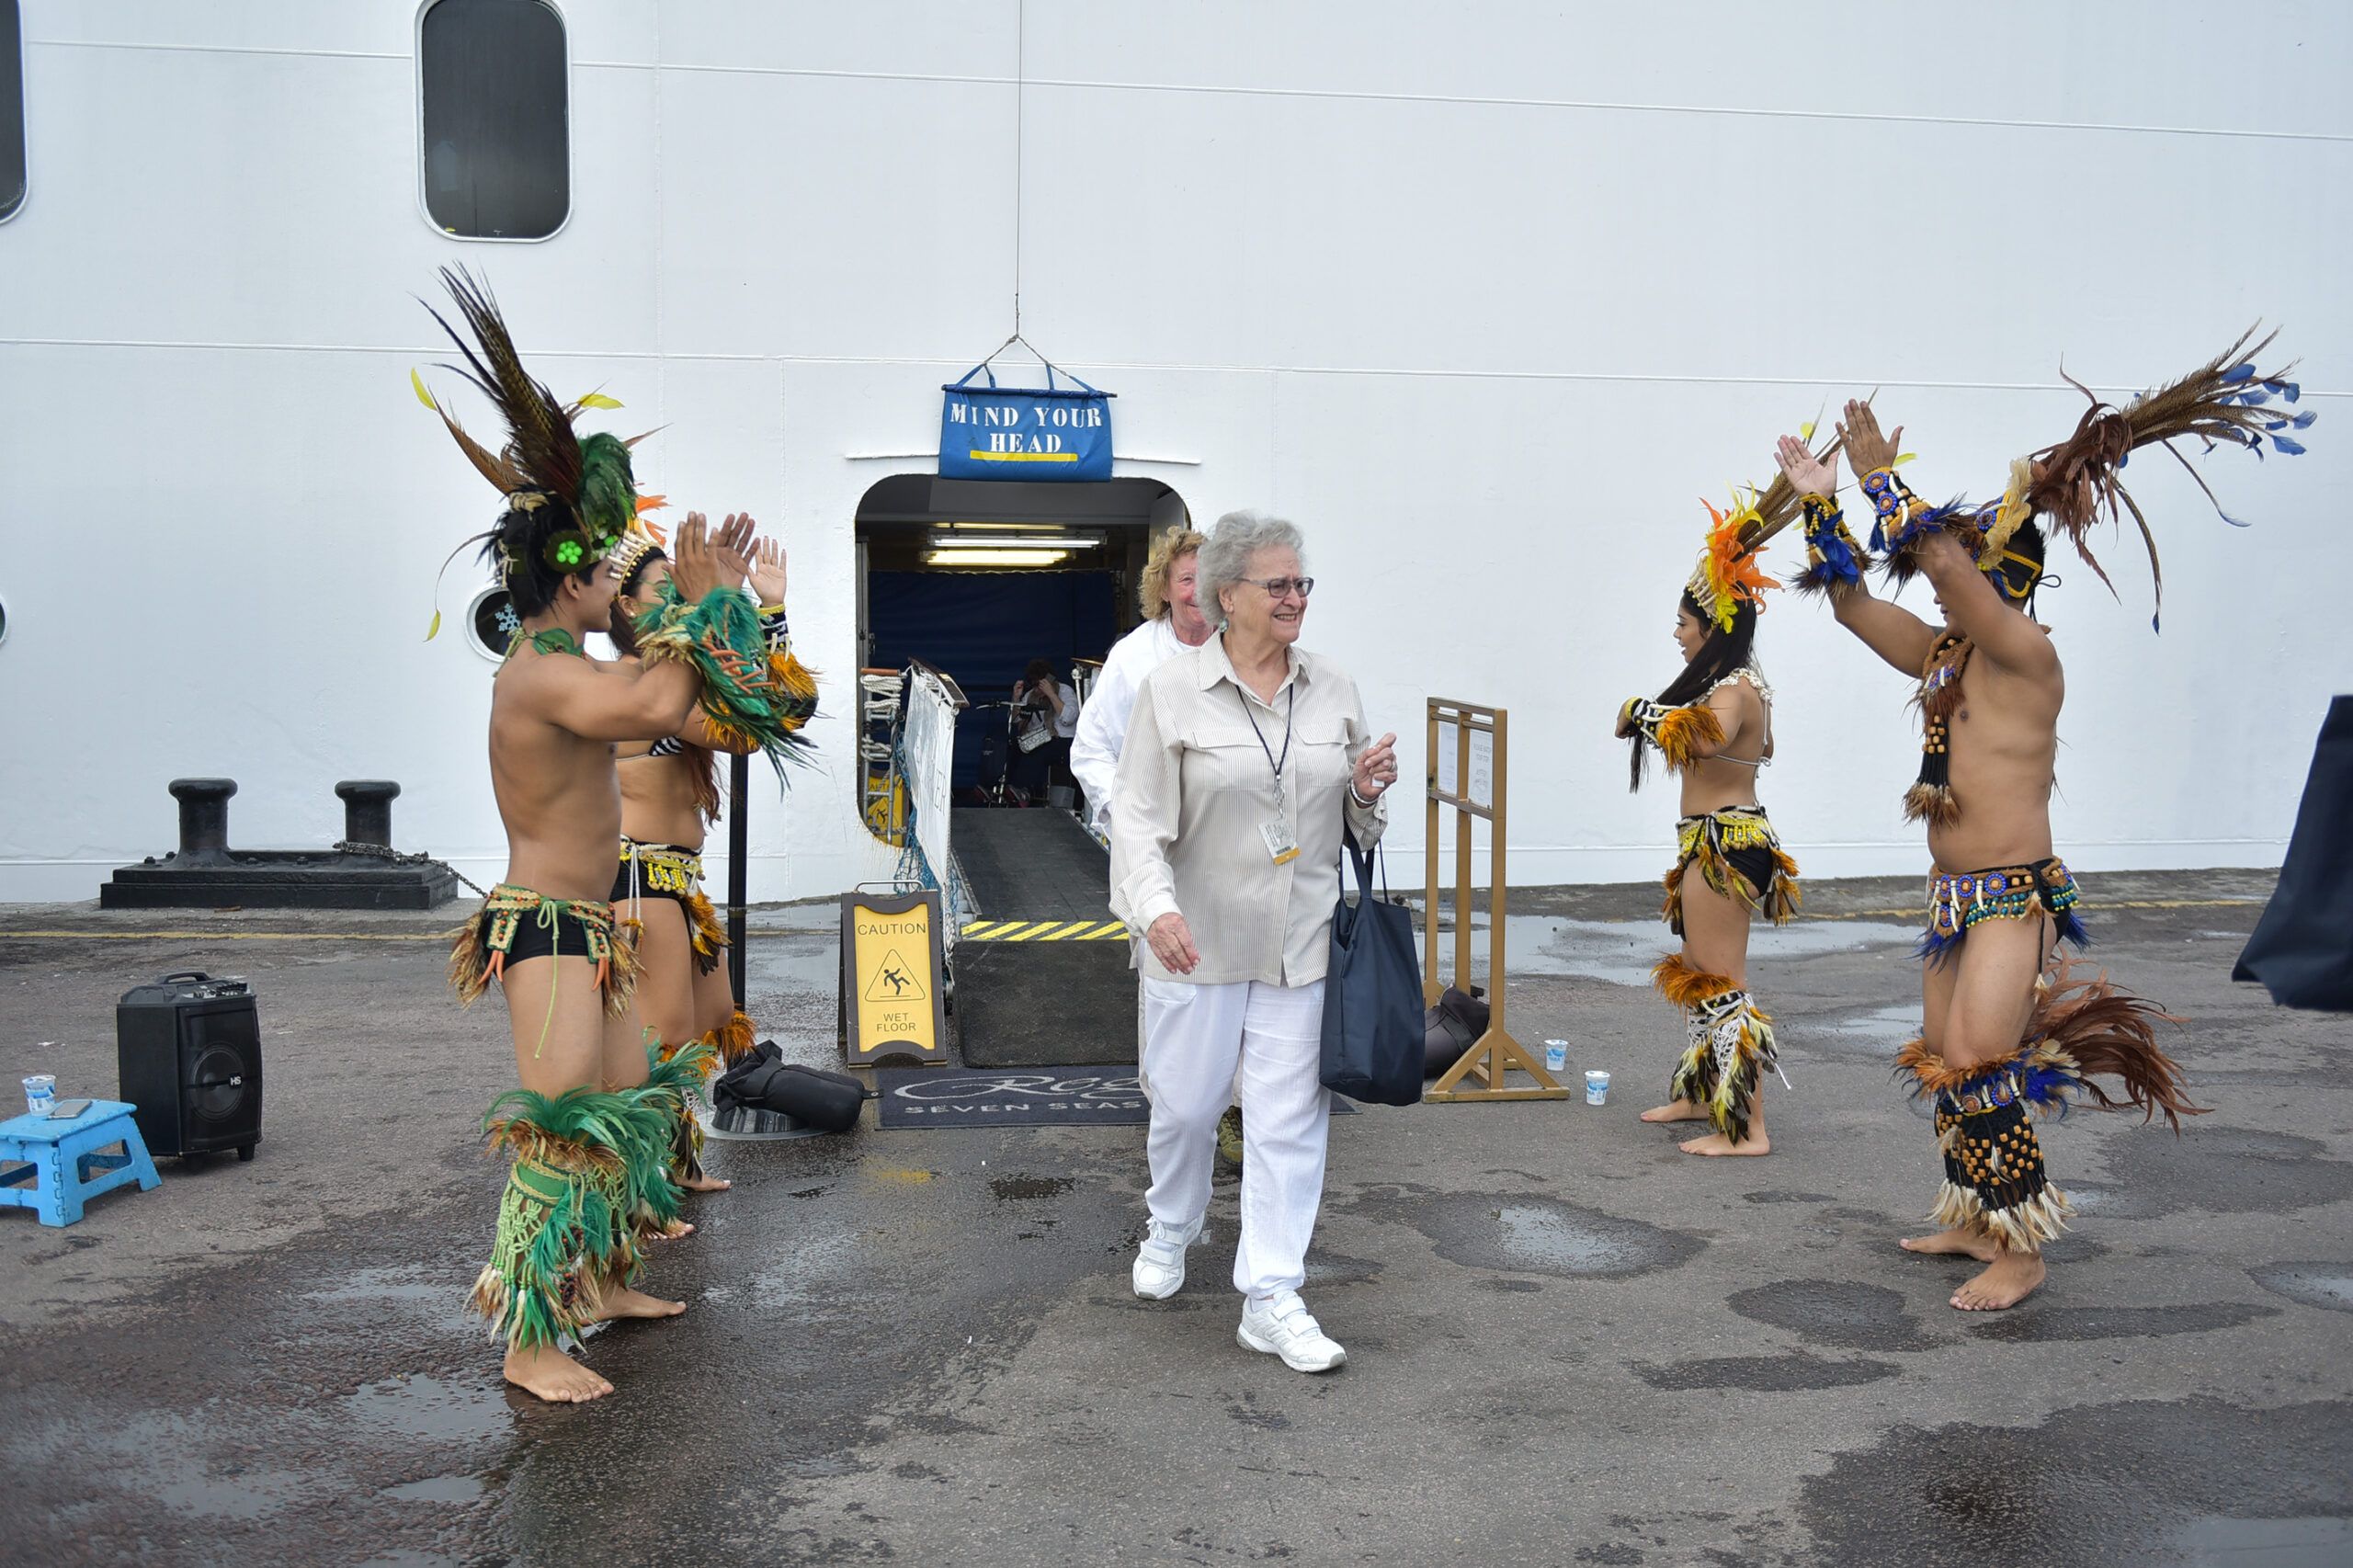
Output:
x,y
386,852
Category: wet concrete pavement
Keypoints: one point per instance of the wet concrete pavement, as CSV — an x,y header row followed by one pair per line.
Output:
x,y
1569,1344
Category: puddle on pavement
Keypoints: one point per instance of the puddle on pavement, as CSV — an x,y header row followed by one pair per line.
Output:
x,y
381,1285
2057,1324
823,1257
228,1494
1867,1034
2328,1285
1028,1189
793,963
1325,1268
2222,1170
1623,953
1837,1312
2219,1542
2144,1480
1534,1235
1764,1374
1777,1196
428,1407
436,1489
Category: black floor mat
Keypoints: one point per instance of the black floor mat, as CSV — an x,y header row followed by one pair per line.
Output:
x,y
1045,1004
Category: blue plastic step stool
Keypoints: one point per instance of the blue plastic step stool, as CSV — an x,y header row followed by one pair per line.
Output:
x,y
62,1161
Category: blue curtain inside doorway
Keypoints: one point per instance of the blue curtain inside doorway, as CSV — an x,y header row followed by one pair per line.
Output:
x,y
984,628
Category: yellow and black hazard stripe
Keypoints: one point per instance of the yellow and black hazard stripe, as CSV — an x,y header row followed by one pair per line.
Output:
x,y
1042,931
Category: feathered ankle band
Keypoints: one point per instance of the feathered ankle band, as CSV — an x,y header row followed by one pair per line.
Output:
x,y
1731,1045
583,1160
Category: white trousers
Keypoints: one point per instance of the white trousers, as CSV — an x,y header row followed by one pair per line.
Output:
x,y
1143,1068
1194,1036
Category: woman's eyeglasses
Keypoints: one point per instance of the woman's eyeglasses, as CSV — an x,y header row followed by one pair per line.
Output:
x,y
1281,587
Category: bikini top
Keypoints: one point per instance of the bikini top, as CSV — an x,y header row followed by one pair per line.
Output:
x,y
1756,679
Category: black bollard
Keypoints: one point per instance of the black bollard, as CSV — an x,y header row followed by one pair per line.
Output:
x,y
368,810
204,815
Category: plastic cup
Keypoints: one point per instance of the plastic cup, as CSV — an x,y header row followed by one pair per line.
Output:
x,y
1597,1087
41,1093
1556,1056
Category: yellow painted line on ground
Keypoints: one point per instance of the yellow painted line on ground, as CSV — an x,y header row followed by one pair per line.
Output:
x,y
448,935
1072,929
981,928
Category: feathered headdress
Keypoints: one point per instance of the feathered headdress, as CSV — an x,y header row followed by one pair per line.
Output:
x,y
2072,485
1727,574
570,498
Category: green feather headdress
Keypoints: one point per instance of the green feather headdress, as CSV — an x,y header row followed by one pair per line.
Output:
x,y
569,498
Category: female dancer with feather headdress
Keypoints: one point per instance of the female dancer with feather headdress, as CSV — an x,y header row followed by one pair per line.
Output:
x,y
1713,724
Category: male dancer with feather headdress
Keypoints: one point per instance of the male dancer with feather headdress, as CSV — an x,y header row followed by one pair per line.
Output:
x,y
2006,1030
592,1128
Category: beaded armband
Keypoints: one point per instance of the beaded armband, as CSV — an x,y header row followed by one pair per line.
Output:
x,y
1833,558
1901,515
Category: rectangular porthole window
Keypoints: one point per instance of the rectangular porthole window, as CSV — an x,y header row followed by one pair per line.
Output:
x,y
12,110
493,111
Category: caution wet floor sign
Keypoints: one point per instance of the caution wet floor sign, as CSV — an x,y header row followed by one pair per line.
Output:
x,y
891,983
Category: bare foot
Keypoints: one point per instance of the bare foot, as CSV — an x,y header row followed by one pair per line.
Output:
x,y
674,1230
621,1301
1966,1243
554,1376
1678,1110
1719,1144
2007,1280
699,1184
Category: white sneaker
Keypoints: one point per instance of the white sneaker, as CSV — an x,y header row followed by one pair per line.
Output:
x,y
1283,1327
1159,1267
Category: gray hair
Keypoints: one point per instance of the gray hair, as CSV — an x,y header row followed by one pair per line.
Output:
x,y
1225,559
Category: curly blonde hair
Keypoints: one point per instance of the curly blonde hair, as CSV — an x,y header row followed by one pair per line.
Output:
x,y
1180,541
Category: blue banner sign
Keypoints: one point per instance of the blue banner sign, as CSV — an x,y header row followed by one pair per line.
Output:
x,y
1053,432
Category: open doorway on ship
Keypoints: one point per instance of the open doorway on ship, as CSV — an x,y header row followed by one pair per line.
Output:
x,y
979,578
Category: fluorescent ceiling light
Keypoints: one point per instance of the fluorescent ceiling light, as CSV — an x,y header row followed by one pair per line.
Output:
x,y
995,557
1011,541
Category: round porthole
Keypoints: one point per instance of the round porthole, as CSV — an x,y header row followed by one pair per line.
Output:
x,y
491,621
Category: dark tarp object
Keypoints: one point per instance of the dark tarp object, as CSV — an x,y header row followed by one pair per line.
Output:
x,y
2303,947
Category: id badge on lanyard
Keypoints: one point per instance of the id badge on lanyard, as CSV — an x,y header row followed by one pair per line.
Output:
x,y
1281,846
1279,841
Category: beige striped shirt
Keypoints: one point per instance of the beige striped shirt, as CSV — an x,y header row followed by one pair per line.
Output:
x,y
1194,784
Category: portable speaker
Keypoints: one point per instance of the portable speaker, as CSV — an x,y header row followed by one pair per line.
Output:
x,y
187,1049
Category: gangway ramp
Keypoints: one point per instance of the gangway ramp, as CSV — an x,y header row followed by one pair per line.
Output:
x,y
1041,968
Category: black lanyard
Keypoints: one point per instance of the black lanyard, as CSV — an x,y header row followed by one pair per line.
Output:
x,y
1273,761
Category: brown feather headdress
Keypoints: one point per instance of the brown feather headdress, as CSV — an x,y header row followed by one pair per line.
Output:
x,y
2074,482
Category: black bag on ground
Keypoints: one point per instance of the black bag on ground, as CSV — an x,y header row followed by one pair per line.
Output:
x,y
762,1081
1372,996
1451,1028
2303,947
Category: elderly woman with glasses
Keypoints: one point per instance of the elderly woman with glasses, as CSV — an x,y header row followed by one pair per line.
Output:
x,y
1245,758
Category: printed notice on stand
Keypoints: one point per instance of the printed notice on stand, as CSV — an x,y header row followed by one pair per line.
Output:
x,y
1446,744
1482,769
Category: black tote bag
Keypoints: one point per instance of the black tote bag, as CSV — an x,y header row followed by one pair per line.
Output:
x,y
1372,996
